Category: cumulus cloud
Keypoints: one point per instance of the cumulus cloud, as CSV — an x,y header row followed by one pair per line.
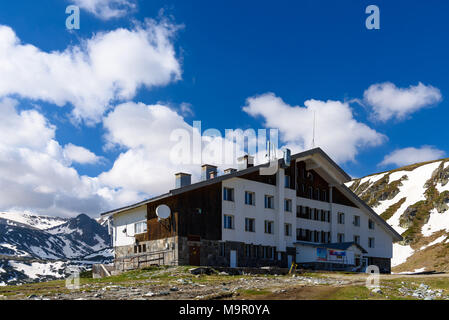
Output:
x,y
36,174
107,9
389,102
156,143
337,131
406,156
80,155
109,67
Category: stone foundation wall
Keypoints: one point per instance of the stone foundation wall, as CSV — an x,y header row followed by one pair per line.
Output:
x,y
147,253
176,251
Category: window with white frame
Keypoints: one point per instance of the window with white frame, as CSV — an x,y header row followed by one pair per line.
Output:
x,y
371,224
228,221
228,194
356,221
341,237
341,218
250,198
269,202
288,229
288,205
140,227
250,224
269,226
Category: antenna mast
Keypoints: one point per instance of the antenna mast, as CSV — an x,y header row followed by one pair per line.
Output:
x,y
313,136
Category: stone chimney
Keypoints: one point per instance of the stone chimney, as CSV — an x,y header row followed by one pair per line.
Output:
x,y
245,162
182,179
229,170
208,172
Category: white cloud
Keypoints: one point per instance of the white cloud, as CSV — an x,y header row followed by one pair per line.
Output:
x,y
337,132
389,101
144,132
80,154
406,156
107,9
106,68
150,158
36,175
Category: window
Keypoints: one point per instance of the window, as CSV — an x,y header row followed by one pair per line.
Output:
x,y
357,221
250,224
269,226
324,195
322,215
288,229
357,239
287,181
341,237
250,198
316,236
315,214
247,250
269,202
310,193
140,227
228,194
265,252
371,242
317,194
288,205
341,218
228,222
370,224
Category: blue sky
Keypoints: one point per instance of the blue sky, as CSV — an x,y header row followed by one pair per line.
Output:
x,y
281,54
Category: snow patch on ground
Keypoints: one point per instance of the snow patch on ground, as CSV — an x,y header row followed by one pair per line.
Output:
x,y
437,221
37,269
437,240
400,254
413,189
408,272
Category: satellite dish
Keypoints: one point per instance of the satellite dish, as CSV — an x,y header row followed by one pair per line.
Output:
x,y
163,211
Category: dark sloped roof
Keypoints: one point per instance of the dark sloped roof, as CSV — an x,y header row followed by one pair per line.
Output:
x,y
229,176
239,173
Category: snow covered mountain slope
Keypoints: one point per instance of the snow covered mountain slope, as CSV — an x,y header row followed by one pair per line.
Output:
x,y
414,201
73,239
29,252
33,220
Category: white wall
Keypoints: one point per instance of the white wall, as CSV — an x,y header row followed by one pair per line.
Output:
x,y
383,246
240,211
126,220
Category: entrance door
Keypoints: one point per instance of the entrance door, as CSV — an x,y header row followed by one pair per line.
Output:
x,y
194,255
233,259
290,260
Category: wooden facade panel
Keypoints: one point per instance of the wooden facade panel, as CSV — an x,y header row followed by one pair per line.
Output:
x,y
338,197
197,212
307,179
255,176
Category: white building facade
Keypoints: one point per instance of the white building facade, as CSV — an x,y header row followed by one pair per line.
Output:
x,y
303,213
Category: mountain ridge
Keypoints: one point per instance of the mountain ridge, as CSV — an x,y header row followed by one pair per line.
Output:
x,y
414,200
